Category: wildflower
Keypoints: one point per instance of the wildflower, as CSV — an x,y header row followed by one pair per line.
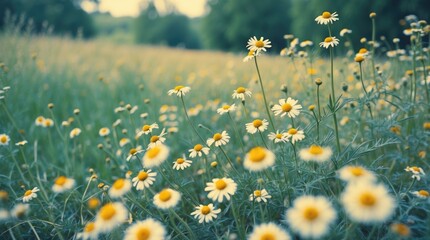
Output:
x,y
93,203
75,132
39,121
251,55
258,45
120,187
278,137
197,150
421,194
326,18
144,179
426,125
295,135
316,153
268,231
179,91
367,202
48,123
257,125
133,152
19,210
103,132
259,195
240,93
206,213
345,31
311,216
21,143
4,139
181,163
4,215
226,109
167,198
89,232
219,139
123,142
417,172
259,158
287,107
147,129
355,173
221,188
110,216
63,184
400,229
157,139
149,229
329,42
155,156
306,43
30,194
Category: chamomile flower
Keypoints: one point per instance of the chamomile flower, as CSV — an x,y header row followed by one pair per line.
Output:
x,y
167,198
258,159
144,179
62,184
39,121
295,135
149,229
251,55
219,139
123,142
103,132
133,152
120,187
147,129
75,132
311,216
110,216
47,122
155,156
421,194
316,153
278,137
417,172
4,139
367,202
181,163
226,109
4,215
89,232
206,213
30,194
179,91
268,231
329,42
326,18
355,173
221,188
344,32
287,107
20,210
257,125
198,150
259,195
157,139
240,93
258,45
21,143
306,43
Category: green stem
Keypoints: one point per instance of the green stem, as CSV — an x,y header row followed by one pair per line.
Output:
x,y
334,100
189,121
242,145
264,95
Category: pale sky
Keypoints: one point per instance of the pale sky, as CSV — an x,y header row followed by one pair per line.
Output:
x,y
120,8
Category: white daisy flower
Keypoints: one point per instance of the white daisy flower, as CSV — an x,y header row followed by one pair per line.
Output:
x,y
4,139
316,153
326,18
221,188
219,139
226,109
240,93
306,43
181,163
157,139
48,123
206,213
355,173
30,194
257,125
89,232
75,132
295,135
147,129
197,150
287,107
329,42
268,231
149,229
421,194
258,45
120,187
179,91
39,121
133,152
167,198
63,184
110,216
417,172
345,31
19,210
21,143
251,55
258,159
144,179
155,156
103,132
278,137
259,195
124,141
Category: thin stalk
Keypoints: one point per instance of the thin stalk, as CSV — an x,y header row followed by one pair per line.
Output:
x,y
237,133
318,102
11,119
189,121
334,100
264,94
373,49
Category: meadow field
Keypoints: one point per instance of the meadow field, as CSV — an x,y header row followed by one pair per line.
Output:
x,y
107,141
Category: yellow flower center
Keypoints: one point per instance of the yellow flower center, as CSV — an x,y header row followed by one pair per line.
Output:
x,y
315,150
257,193
154,138
165,195
292,131
119,184
3,139
326,15
61,180
357,171
133,151
328,40
257,154
226,107
104,130
205,210
142,176
362,50
257,123
259,44
180,160
217,136
28,193
220,184
146,128
107,211
93,203
89,227
416,169
178,88
401,229
367,199
310,213
40,119
279,136
423,193
359,58
251,53
286,107
198,147
267,236
47,123
240,90
143,234
153,152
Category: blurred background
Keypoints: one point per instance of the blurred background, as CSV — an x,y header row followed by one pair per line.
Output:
x,y
207,24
